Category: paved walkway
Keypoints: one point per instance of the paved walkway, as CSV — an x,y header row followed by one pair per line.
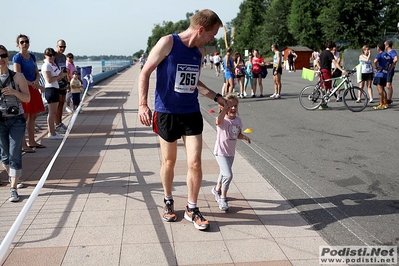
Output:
x,y
102,201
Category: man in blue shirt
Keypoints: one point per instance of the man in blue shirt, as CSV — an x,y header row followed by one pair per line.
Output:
x,y
394,55
383,65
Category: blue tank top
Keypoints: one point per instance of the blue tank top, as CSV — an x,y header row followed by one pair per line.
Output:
x,y
177,77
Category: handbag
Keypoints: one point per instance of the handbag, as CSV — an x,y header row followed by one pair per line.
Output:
x,y
263,71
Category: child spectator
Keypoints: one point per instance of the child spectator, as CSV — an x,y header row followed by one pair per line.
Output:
x,y
229,127
76,88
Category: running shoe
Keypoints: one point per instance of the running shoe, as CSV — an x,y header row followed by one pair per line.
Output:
x,y
272,96
385,106
13,195
378,107
60,129
216,193
323,107
195,216
359,101
223,206
56,136
169,214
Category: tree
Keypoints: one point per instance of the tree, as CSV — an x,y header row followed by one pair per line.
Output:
x,y
354,22
247,25
303,24
275,27
390,16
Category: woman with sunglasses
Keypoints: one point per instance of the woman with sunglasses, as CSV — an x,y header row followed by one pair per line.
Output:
x,y
25,62
14,90
52,74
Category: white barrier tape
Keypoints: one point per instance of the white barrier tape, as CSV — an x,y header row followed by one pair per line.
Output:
x,y
7,241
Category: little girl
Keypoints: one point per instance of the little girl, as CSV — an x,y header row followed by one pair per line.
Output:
x,y
229,127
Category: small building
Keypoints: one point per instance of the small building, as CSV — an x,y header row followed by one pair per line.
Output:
x,y
303,60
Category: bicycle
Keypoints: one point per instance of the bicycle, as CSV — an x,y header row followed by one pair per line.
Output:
x,y
313,96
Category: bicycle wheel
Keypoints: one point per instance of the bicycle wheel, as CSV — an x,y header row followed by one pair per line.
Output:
x,y
310,97
355,99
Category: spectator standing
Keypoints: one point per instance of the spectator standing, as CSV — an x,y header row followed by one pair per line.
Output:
x,y
367,72
52,74
335,71
394,55
178,106
25,62
324,63
76,89
291,60
248,75
216,61
229,127
60,61
70,65
315,58
14,90
277,72
383,64
239,68
257,64
142,61
228,63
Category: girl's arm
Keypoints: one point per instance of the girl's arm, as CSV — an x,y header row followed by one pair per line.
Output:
x,y
222,114
244,137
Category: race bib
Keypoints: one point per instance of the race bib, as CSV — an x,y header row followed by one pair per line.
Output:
x,y
186,78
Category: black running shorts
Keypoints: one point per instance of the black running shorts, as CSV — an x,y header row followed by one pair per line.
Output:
x,y
172,127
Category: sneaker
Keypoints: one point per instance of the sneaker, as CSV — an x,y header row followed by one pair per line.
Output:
x,y
56,136
389,102
63,126
272,96
216,193
13,195
60,129
241,95
323,107
358,101
253,96
19,184
245,94
169,214
339,99
385,106
260,95
371,100
277,96
378,107
195,216
69,109
223,206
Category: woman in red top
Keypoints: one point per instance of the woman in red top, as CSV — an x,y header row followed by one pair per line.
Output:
x,y
257,63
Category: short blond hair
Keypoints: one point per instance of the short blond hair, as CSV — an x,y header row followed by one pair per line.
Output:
x,y
206,18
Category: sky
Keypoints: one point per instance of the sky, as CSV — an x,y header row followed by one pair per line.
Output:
x,y
98,27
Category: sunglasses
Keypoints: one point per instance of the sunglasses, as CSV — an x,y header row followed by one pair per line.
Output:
x,y
3,55
62,46
25,41
50,55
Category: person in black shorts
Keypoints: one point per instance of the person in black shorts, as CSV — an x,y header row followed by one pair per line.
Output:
x,y
178,59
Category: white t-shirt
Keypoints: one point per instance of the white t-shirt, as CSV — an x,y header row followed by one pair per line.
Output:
x,y
216,59
54,71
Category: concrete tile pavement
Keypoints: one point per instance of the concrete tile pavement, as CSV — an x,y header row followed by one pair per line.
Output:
x,y
102,201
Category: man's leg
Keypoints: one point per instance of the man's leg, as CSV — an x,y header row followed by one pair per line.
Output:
x,y
169,153
193,146
390,91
